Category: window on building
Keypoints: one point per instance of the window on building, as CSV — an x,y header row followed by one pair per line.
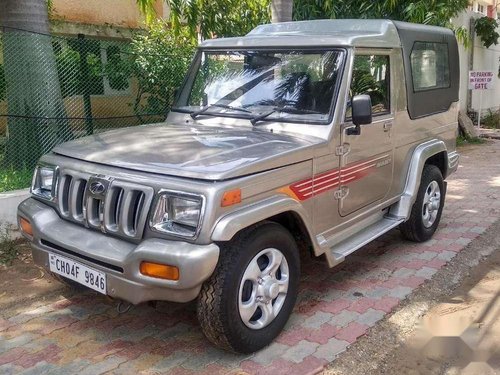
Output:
x,y
103,72
430,66
371,76
116,77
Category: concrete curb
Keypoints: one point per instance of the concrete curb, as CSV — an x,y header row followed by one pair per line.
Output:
x,y
8,207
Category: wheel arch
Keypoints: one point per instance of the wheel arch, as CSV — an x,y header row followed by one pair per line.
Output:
x,y
297,228
440,160
433,152
283,210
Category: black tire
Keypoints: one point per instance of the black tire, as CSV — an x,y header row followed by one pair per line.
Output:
x,y
218,311
414,229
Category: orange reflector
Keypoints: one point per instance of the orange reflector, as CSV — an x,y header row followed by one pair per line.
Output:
x,y
231,197
160,271
26,226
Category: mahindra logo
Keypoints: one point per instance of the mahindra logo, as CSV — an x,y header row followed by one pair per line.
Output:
x,y
97,188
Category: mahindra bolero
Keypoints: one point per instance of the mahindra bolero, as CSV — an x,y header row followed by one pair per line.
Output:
x,y
313,137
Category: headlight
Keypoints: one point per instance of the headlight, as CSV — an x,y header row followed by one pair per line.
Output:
x,y
44,182
178,214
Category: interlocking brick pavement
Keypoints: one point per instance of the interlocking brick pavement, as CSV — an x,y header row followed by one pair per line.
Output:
x,y
86,335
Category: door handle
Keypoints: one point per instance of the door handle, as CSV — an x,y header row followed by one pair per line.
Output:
x,y
387,126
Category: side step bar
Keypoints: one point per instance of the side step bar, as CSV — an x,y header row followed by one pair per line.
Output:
x,y
338,252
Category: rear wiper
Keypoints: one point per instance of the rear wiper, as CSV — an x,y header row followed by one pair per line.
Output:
x,y
206,108
291,110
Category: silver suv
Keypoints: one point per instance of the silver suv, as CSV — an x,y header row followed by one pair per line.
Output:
x,y
313,137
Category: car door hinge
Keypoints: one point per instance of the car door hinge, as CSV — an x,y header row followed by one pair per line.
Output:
x,y
342,150
341,193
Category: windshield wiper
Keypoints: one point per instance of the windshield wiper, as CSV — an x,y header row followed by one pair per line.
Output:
x,y
206,108
290,110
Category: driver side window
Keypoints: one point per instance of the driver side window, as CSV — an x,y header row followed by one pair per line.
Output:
x,y
371,76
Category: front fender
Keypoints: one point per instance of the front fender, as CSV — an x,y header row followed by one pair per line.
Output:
x,y
232,223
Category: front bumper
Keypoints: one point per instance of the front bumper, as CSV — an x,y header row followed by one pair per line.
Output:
x,y
120,259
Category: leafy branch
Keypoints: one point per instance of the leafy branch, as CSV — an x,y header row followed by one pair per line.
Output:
x,y
486,29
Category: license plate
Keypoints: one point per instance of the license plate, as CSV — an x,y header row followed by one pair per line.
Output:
x,y
78,272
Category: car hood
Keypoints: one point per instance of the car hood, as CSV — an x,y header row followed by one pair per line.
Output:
x,y
201,152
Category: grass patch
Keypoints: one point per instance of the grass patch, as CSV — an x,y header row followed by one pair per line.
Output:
x,y
8,248
463,141
12,179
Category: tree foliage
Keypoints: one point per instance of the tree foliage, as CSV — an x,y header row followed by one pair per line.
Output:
x,y
486,29
159,60
221,18
210,18
429,12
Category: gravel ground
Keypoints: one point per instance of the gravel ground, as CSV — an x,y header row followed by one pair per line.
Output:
x,y
386,350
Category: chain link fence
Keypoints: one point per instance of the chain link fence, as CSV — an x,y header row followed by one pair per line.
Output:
x,y
54,89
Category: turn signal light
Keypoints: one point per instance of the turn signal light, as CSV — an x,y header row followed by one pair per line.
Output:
x,y
231,197
26,226
159,271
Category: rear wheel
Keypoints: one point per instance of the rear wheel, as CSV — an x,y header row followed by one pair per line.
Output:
x,y
249,298
428,207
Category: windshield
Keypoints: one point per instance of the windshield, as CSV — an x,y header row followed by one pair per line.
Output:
x,y
290,86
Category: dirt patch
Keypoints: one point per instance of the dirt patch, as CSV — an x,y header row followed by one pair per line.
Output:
x,y
23,281
423,335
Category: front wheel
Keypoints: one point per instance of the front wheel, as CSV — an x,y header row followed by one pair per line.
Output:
x,y
249,298
428,207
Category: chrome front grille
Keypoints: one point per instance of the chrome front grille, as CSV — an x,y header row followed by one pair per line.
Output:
x,y
122,209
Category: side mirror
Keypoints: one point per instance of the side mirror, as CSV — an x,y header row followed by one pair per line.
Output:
x,y
361,113
362,110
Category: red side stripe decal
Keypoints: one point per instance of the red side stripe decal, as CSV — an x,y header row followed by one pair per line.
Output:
x,y
329,180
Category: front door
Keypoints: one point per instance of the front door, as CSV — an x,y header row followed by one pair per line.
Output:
x,y
366,160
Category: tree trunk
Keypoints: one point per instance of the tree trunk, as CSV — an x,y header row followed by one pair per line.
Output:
x,y
281,10
33,89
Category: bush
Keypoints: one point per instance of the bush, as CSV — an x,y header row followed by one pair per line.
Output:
x,y
463,141
160,59
12,179
491,120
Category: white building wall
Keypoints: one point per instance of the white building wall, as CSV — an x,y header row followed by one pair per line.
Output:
x,y
483,59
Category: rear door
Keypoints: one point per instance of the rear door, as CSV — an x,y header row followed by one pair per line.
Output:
x,y
366,161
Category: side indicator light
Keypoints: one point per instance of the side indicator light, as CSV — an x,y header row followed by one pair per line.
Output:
x,y
159,271
231,197
26,227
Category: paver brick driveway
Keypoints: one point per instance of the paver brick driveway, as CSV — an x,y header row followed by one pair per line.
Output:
x,y
86,335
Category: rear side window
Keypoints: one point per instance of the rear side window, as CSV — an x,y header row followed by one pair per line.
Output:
x,y
430,66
